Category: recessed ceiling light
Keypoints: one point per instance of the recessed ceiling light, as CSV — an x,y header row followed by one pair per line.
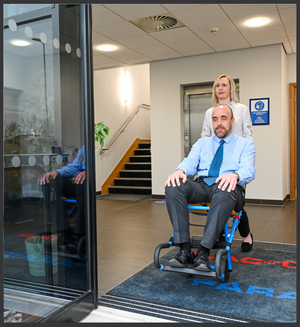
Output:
x,y
257,22
106,47
20,43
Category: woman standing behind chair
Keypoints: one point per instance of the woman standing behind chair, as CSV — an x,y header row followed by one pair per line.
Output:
x,y
224,93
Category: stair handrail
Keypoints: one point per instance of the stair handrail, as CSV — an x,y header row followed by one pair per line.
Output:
x,y
124,126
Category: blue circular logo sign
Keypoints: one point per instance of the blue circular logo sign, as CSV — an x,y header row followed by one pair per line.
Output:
x,y
259,105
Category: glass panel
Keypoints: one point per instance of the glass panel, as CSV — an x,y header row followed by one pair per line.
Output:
x,y
45,252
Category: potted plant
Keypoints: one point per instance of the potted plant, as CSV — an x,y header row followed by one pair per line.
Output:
x,y
101,131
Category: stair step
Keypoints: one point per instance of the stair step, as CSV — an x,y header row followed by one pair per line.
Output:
x,y
135,173
145,145
138,165
142,158
130,190
136,177
133,182
142,152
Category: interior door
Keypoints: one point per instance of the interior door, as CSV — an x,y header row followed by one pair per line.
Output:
x,y
293,141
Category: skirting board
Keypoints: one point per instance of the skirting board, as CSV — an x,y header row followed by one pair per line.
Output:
x,y
248,201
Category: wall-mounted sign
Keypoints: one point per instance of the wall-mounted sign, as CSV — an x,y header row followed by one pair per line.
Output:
x,y
260,110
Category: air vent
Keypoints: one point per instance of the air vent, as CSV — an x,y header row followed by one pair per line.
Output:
x,y
157,23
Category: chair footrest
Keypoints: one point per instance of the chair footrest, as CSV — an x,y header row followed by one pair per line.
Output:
x,y
211,273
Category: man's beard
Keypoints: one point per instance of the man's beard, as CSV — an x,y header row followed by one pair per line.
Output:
x,y
222,133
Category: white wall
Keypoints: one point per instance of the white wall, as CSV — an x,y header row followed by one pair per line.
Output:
x,y
262,73
114,112
291,68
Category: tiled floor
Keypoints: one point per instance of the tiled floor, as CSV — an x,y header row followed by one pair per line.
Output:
x,y
128,233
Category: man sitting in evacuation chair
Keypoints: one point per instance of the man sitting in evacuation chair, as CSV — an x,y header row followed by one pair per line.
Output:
x,y
220,180
70,182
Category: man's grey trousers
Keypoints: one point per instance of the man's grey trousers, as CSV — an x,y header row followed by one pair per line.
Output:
x,y
222,204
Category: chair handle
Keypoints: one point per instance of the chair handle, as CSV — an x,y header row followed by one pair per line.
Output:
x,y
157,251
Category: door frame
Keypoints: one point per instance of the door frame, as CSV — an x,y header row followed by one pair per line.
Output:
x,y
293,140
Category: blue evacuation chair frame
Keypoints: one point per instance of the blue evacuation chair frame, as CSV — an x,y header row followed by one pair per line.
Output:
x,y
223,264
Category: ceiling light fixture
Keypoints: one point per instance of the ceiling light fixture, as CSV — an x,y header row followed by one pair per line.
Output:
x,y
20,43
257,22
106,47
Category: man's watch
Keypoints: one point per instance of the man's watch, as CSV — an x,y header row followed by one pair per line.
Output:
x,y
238,177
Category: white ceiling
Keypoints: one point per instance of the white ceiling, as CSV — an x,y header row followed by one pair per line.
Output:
x,y
111,24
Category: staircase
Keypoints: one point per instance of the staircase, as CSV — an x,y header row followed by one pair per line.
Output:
x,y
135,178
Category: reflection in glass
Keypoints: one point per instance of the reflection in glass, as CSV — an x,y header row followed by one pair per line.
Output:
x,y
44,219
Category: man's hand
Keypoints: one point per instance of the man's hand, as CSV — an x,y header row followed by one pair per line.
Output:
x,y
175,178
46,177
79,178
225,180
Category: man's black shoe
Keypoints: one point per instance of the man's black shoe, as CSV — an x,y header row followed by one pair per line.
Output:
x,y
182,259
201,262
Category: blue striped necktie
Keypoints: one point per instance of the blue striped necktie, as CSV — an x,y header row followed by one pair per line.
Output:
x,y
215,166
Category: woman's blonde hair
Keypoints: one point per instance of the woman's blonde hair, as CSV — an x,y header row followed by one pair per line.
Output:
x,y
233,97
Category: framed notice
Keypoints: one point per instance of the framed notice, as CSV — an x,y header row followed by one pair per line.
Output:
x,y
260,111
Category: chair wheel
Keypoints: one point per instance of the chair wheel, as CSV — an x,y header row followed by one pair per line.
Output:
x,y
81,246
75,245
224,269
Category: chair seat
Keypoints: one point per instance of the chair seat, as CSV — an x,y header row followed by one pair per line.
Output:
x,y
203,210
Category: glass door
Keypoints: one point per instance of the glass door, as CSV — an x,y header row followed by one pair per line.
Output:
x,y
48,144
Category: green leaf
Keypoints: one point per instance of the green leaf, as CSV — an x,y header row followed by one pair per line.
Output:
x,y
100,131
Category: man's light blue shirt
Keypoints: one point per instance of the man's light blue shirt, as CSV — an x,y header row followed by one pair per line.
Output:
x,y
238,156
76,166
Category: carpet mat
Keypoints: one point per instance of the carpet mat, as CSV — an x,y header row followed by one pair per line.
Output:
x,y
123,197
71,270
261,288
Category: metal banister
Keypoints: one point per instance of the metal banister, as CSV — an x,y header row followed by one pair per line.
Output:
x,y
124,126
